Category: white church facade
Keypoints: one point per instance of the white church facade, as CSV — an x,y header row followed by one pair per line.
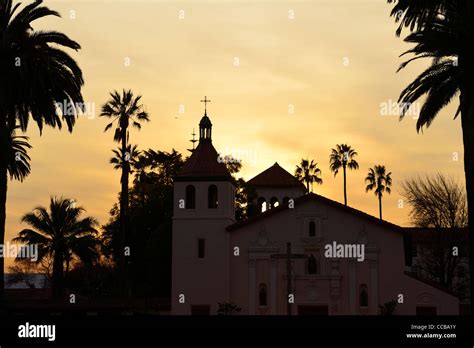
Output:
x,y
305,254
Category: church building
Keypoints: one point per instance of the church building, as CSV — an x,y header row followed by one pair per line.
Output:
x,y
301,254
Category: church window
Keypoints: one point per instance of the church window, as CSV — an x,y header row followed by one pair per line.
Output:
x,y
273,202
363,296
312,229
262,295
212,197
190,197
261,204
312,265
201,248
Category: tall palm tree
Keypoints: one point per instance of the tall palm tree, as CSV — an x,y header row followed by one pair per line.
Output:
x,y
308,173
36,73
380,181
61,235
14,154
442,31
130,156
123,110
343,157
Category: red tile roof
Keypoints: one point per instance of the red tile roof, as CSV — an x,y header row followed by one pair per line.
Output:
x,y
275,176
204,163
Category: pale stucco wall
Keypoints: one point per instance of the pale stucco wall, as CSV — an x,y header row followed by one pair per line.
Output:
x,y
203,281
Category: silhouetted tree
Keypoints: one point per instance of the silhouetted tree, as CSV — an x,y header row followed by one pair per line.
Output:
x,y
442,31
343,157
234,165
308,173
244,194
379,181
167,164
388,308
96,281
130,157
227,308
22,272
61,235
438,203
151,212
35,74
18,160
123,110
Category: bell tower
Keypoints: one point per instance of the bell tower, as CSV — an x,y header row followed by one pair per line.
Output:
x,y
205,126
204,205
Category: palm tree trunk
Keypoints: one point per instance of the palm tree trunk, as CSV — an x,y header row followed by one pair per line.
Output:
x,y
58,275
467,122
345,189
3,205
67,270
380,206
141,186
124,214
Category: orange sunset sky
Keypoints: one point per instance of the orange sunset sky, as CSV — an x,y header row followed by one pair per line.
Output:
x,y
333,61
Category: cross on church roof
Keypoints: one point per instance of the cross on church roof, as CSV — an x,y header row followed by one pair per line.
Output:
x,y
205,101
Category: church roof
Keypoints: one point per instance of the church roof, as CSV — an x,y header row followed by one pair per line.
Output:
x,y
204,165
316,197
432,283
275,176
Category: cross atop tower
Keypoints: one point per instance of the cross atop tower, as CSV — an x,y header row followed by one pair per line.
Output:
x,y
205,101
